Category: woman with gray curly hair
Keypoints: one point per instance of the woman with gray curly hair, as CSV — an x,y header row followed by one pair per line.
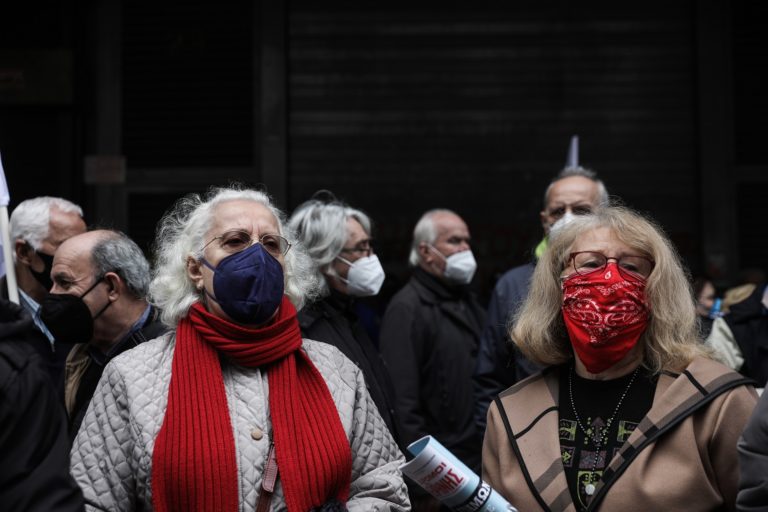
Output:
x,y
233,410
630,413
338,241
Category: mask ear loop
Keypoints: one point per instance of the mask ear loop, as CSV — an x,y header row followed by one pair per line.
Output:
x,y
344,260
336,274
109,302
206,293
434,250
95,283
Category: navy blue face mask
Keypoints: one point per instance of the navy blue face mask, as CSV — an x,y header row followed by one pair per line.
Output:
x,y
248,285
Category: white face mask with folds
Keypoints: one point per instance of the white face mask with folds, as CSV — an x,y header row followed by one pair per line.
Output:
x,y
365,276
563,221
460,267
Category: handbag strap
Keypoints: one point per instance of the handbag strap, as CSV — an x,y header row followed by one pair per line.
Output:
x,y
516,449
268,480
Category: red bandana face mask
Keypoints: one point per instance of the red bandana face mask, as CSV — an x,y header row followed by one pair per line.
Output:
x,y
605,314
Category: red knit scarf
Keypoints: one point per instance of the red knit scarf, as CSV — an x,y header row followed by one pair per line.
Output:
x,y
194,465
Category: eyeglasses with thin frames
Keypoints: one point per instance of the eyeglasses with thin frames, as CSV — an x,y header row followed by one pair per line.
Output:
x,y
630,266
363,247
237,240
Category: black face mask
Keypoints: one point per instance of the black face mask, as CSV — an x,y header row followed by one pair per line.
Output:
x,y
44,277
67,316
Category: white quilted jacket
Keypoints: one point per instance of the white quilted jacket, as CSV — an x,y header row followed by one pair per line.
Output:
x,y
112,454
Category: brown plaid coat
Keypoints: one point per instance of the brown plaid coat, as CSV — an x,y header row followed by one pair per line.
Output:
x,y
682,456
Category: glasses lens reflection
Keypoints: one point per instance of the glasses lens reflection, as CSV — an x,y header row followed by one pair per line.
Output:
x,y
633,266
235,241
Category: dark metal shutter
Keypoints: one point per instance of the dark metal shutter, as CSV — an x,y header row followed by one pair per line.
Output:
x,y
188,83
470,106
750,98
753,230
188,102
750,55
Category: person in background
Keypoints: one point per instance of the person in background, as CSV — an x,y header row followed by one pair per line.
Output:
x,y
338,240
753,461
34,451
98,303
740,338
429,338
734,295
629,413
38,226
233,410
704,292
575,191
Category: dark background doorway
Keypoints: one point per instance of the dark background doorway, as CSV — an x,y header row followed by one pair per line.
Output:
x,y
397,108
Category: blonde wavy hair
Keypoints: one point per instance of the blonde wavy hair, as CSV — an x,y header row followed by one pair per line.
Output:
x,y
671,339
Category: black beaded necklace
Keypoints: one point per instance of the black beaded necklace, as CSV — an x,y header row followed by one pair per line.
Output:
x,y
597,440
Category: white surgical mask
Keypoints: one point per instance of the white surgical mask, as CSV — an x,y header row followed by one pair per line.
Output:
x,y
365,276
460,267
561,223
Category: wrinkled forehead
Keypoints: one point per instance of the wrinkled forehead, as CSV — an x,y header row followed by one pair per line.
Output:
x,y
573,190
244,215
448,225
76,253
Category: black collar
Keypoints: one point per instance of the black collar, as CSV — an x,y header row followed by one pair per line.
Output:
x,y
439,288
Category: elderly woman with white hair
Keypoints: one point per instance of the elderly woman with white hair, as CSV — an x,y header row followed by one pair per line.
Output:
x,y
630,413
338,241
233,410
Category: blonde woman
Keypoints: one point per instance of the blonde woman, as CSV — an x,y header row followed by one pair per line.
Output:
x,y
630,413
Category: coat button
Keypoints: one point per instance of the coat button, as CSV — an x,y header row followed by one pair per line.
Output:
x,y
257,434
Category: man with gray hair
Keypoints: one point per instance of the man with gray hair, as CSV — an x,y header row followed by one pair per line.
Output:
x,y
98,300
429,339
574,191
38,226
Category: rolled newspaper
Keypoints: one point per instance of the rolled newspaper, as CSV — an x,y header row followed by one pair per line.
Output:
x,y
449,480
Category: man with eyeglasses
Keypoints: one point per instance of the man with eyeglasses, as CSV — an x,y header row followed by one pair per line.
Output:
x,y
574,191
98,301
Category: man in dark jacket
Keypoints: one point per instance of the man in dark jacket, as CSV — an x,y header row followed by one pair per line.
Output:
x,y
429,338
98,300
38,226
34,451
753,460
574,191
